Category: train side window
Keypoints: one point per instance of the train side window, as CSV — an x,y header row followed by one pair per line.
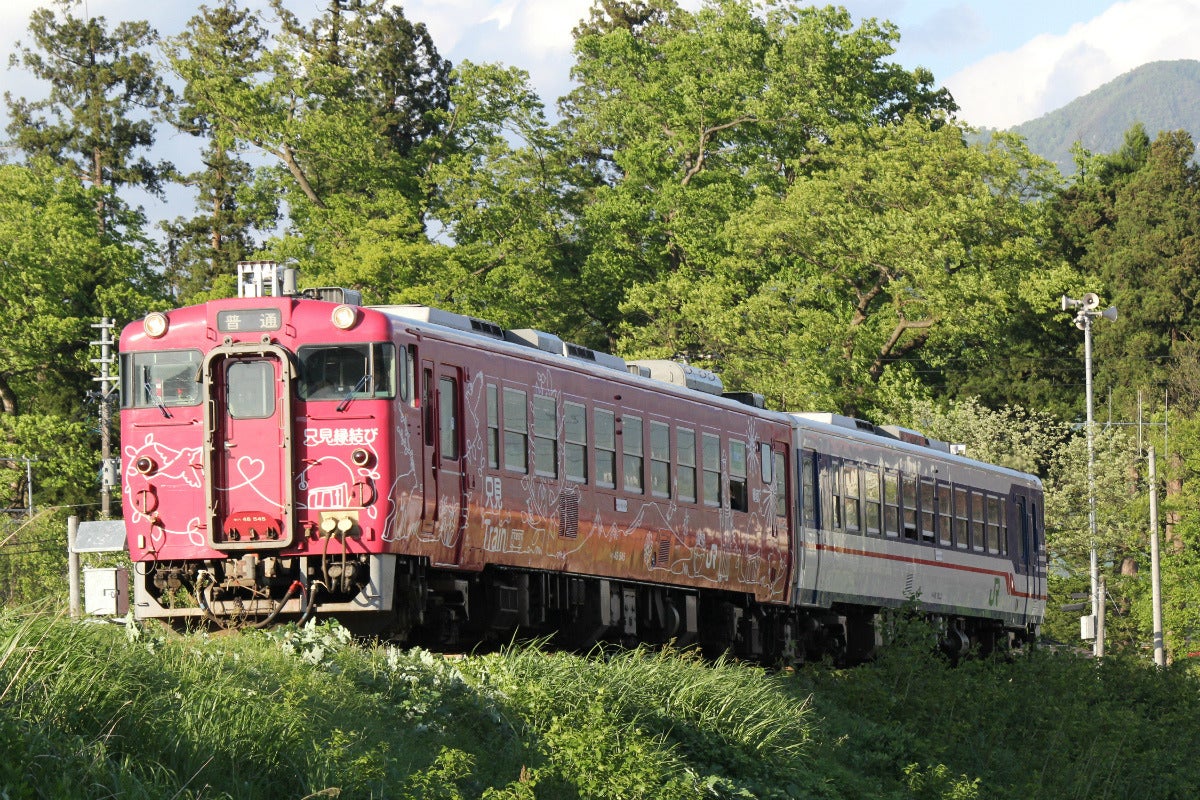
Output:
x,y
765,462
606,448
1023,527
685,478
493,426
168,377
928,511
448,416
908,493
808,494
945,515
404,372
831,487
779,484
634,456
660,459
575,450
962,518
545,436
993,523
427,406
1037,525
711,455
1003,527
516,431
739,496
850,492
977,521
872,501
891,504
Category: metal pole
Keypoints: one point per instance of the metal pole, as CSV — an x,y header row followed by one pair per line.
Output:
x,y
29,484
1097,597
105,380
1155,579
73,566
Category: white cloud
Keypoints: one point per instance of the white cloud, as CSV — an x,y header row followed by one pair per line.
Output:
x,y
1049,71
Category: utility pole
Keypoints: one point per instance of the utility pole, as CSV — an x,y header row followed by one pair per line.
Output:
x,y
1088,307
108,476
1155,577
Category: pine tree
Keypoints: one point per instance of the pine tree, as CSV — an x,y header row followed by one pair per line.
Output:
x,y
105,95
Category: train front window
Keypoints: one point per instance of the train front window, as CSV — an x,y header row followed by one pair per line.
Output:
x,y
160,379
342,371
250,389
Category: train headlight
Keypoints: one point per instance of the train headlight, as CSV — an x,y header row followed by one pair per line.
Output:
x,y
155,324
144,465
344,317
361,457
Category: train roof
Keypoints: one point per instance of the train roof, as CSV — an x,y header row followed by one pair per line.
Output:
x,y
680,379
900,440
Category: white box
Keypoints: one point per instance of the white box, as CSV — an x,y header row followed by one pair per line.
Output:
x,y
106,591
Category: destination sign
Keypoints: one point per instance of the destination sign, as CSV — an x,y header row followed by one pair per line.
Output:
x,y
251,319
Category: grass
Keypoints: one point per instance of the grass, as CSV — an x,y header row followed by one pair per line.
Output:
x,y
99,710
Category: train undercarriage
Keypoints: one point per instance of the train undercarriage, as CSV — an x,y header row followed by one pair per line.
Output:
x,y
406,600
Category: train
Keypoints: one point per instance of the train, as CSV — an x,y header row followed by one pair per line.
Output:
x,y
431,477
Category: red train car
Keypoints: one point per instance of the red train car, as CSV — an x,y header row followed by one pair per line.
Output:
x,y
426,475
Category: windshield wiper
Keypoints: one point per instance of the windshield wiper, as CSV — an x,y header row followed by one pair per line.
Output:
x,y
342,406
157,400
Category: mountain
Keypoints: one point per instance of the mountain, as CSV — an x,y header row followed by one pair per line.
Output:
x,y
1164,95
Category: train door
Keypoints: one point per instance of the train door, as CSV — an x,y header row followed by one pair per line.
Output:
x,y
1026,555
248,455
808,541
782,531
445,474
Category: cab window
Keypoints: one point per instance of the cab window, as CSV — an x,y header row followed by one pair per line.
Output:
x,y
167,378
336,372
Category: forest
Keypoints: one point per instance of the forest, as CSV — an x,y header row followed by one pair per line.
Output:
x,y
754,188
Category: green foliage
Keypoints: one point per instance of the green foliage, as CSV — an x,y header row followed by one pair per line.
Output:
x,y
935,783
308,713
231,204
877,263
59,276
343,105
1130,219
1036,725
613,726
1011,437
688,120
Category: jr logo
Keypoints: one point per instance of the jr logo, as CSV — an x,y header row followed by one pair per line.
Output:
x,y
994,596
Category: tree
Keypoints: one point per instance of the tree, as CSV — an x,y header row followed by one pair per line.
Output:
x,y
344,107
900,251
508,199
686,119
56,278
1149,260
105,94
231,205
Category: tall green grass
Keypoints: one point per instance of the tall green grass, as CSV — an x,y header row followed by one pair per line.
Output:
x,y
99,710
